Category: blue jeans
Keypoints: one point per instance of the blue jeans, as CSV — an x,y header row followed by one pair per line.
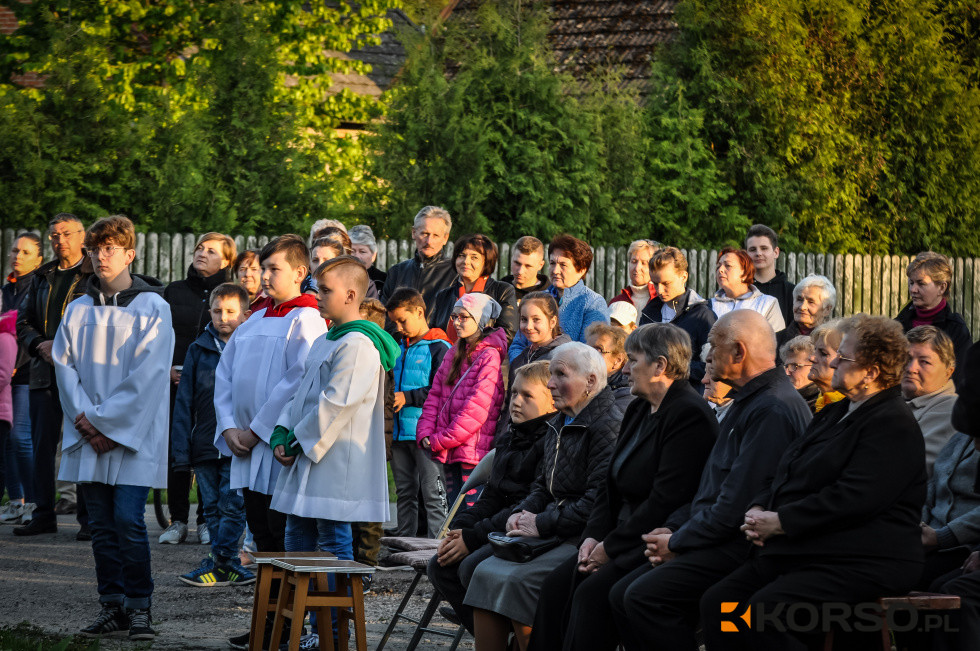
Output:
x,y
17,448
119,543
315,534
224,508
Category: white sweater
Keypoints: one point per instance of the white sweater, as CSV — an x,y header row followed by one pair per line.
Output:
x,y
113,363
259,371
753,299
337,415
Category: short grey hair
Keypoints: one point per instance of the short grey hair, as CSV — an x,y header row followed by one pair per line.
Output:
x,y
800,344
648,245
655,340
823,283
433,212
583,360
320,224
363,235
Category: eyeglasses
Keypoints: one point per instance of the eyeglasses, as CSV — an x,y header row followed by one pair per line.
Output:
x,y
54,237
104,251
796,367
846,359
459,318
601,351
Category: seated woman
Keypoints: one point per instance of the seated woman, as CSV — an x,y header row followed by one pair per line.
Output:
x,y
475,257
519,450
569,259
838,523
928,387
735,273
814,299
675,303
796,354
667,433
610,342
826,339
577,447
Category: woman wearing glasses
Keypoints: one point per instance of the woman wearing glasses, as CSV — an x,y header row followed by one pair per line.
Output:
x,y
796,354
460,413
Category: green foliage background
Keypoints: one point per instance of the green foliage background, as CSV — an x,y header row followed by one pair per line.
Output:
x,y
846,126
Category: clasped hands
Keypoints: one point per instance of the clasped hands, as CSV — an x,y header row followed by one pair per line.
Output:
x,y
760,525
240,441
524,523
99,441
591,556
658,546
452,548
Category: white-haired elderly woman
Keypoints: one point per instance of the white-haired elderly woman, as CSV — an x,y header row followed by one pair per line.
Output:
x,y
578,445
365,248
814,299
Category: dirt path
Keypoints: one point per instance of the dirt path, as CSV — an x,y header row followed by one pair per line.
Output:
x,y
49,581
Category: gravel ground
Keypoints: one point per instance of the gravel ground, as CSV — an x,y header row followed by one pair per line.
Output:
x,y
49,581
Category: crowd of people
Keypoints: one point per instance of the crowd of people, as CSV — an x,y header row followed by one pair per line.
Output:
x,y
656,456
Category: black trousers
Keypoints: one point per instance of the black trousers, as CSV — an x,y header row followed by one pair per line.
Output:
x,y
765,582
574,611
967,618
657,607
267,525
179,496
46,422
451,581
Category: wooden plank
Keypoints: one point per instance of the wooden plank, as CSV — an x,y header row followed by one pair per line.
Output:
x,y
623,264
848,285
613,274
876,286
897,280
392,253
189,241
165,270
503,260
811,263
381,261
241,243
708,281
886,285
139,262
251,242
866,279
177,268
7,237
968,307
404,251
152,251
956,291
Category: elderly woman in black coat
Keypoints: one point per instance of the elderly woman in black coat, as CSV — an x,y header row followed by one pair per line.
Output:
x,y
840,520
577,447
667,433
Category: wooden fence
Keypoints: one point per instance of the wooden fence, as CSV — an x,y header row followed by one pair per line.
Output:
x,y
865,283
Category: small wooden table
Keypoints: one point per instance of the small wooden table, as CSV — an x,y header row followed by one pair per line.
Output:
x,y
266,574
347,596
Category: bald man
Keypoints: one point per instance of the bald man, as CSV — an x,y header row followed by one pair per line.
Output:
x,y
656,606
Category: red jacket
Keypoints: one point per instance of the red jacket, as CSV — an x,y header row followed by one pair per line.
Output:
x,y
460,420
627,294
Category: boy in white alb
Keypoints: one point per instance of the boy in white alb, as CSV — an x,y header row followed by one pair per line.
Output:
x,y
259,371
112,356
330,436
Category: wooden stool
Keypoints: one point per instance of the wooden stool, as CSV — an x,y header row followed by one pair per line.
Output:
x,y
918,600
265,575
347,596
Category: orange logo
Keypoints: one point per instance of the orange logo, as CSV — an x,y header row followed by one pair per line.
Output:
x,y
731,626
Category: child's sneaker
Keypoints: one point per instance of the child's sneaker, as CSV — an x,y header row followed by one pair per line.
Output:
x,y
234,573
306,643
111,619
139,624
11,513
205,576
203,534
28,513
175,534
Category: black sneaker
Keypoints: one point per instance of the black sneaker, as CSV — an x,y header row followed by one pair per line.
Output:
x,y
35,527
111,619
139,626
84,534
239,642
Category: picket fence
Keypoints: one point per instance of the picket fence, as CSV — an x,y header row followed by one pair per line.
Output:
x,y
874,284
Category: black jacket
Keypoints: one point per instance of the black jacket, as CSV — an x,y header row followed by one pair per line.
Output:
x,y
427,276
377,277
518,452
538,354
810,393
574,466
695,317
766,415
35,313
953,325
189,308
498,290
620,385
854,486
653,471
782,290
544,282
966,410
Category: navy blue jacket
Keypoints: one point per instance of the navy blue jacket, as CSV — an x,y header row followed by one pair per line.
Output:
x,y
194,422
695,317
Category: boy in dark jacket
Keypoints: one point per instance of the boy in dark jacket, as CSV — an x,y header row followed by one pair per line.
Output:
x,y
518,452
423,349
192,442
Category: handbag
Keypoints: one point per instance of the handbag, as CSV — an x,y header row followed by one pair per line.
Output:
x,y
520,549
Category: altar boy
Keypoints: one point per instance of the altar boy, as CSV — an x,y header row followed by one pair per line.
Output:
x,y
112,357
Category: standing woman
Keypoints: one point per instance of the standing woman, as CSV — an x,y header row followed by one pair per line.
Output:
x,y
640,290
569,259
248,273
930,278
17,449
475,257
214,254
364,247
460,413
735,273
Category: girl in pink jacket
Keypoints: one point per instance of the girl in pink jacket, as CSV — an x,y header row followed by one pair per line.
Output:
x,y
460,413
8,359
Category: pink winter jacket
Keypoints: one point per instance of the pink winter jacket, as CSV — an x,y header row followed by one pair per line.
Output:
x,y
8,359
460,420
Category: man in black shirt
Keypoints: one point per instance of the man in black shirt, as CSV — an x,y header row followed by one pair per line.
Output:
x,y
762,244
